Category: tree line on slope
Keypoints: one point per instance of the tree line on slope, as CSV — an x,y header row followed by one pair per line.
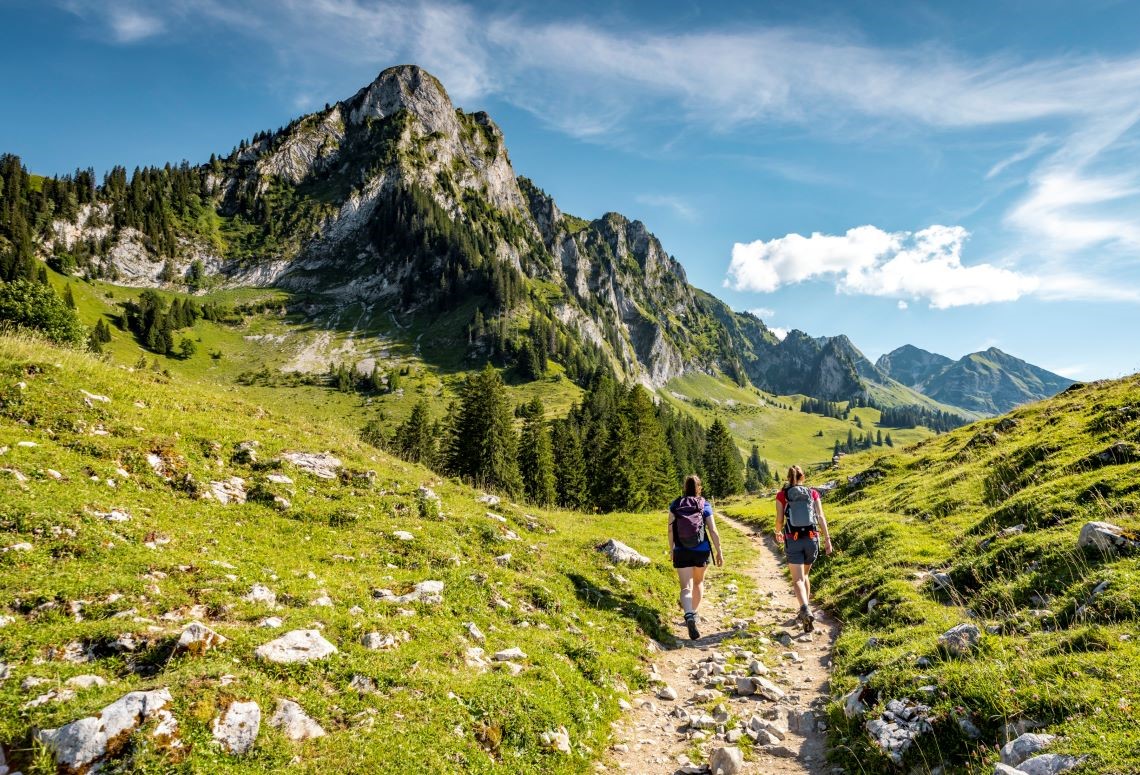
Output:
x,y
614,451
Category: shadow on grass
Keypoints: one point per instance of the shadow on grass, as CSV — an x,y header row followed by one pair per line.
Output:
x,y
648,619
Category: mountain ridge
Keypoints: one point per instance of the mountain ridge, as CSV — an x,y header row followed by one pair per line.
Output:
x,y
399,200
989,382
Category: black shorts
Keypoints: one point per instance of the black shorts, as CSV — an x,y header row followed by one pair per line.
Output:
x,y
690,558
801,551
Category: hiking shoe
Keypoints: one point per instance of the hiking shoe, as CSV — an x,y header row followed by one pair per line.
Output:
x,y
807,618
691,623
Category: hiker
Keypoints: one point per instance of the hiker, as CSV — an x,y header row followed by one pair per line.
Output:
x,y
691,526
799,521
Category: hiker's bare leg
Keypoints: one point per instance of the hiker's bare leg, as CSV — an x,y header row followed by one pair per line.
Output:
x,y
807,580
685,578
698,586
799,583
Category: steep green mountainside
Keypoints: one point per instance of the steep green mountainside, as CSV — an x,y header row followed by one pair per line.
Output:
x,y
114,535
989,382
981,527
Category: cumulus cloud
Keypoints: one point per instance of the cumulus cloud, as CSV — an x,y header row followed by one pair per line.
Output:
x,y
926,264
763,312
903,304
780,333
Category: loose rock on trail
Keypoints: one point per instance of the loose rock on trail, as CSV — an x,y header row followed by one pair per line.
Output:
x,y
722,702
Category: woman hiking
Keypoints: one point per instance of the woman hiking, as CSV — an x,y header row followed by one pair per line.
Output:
x,y
691,526
799,521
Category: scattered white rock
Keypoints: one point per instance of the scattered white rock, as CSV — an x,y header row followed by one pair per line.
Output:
x,y
362,684
272,622
896,729
960,639
726,761
508,654
667,692
377,642
51,472
324,601
114,515
296,646
618,553
86,682
1027,745
320,465
424,592
294,723
768,689
55,695
237,727
475,633
279,479
261,594
26,444
23,546
197,639
92,397
488,499
229,491
557,739
1048,764
475,657
1106,537
503,559
81,744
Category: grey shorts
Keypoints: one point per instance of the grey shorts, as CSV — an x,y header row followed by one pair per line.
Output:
x,y
801,551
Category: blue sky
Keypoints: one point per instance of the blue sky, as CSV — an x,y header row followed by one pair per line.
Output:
x,y
953,176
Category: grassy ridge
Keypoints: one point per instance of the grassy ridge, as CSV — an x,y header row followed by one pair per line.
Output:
x,y
1055,650
583,625
785,437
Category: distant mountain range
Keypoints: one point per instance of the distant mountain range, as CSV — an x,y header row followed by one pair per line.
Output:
x,y
988,382
395,200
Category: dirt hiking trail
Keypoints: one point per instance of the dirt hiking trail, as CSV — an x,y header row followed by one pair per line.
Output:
x,y
693,706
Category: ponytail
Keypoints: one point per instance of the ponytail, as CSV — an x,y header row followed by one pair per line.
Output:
x,y
795,476
692,485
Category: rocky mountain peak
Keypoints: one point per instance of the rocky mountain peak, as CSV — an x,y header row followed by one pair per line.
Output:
x,y
405,87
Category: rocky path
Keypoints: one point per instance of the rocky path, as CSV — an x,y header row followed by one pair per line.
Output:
x,y
755,686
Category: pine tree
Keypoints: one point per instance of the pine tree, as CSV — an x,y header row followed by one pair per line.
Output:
x,y
879,437
68,296
570,473
482,445
415,437
722,462
536,456
888,441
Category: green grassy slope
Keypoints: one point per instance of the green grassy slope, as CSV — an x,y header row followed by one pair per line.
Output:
x,y
785,437
584,625
1057,648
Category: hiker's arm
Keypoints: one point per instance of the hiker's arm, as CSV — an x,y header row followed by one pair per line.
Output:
x,y
779,522
710,523
823,527
669,531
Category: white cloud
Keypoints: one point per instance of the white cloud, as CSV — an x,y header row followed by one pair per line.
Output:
x,y
763,312
130,26
676,204
1035,144
780,333
926,264
903,304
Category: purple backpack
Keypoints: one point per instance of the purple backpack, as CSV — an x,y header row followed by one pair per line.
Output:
x,y
688,521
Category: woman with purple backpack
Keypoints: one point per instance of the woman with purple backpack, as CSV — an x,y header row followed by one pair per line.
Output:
x,y
691,526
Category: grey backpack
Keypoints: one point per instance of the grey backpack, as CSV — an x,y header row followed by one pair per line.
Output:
x,y
799,511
